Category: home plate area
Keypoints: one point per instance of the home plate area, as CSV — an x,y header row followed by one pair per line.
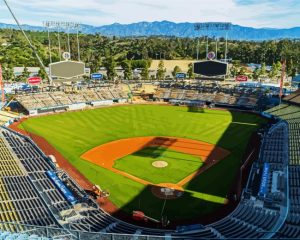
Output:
x,y
167,191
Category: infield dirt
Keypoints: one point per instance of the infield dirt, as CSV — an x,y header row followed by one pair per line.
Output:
x,y
105,155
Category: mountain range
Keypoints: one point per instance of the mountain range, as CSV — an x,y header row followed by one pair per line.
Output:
x,y
166,28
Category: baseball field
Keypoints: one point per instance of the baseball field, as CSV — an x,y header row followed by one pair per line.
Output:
x,y
128,150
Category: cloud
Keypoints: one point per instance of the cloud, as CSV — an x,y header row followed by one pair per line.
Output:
x,y
256,13
270,13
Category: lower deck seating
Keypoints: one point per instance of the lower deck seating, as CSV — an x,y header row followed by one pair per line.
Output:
x,y
216,97
291,114
60,100
291,227
26,202
36,164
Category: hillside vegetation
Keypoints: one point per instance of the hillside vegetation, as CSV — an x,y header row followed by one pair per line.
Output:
x,y
130,53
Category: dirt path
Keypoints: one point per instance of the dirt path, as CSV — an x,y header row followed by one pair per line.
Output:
x,y
105,155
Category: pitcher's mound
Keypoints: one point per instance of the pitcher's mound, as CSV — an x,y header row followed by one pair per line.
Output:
x,y
160,164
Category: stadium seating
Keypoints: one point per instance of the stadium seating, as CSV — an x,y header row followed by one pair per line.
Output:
x,y
291,114
216,97
56,101
20,201
256,215
291,227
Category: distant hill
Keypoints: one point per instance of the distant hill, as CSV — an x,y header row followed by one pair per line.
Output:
x,y
166,28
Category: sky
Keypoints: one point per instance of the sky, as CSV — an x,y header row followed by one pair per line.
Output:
x,y
253,13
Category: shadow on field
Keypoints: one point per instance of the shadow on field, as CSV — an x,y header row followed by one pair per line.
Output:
x,y
195,109
214,193
158,208
158,152
151,148
157,147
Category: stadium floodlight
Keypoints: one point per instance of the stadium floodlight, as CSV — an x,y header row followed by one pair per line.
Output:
x,y
65,27
213,26
65,69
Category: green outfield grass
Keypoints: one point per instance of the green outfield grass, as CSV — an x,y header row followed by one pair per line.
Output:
x,y
74,133
139,164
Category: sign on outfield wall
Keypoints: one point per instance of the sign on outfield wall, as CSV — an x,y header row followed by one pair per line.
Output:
x,y
97,76
34,80
67,69
241,78
180,75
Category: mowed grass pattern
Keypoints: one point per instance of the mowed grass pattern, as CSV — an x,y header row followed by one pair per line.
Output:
x,y
74,133
139,164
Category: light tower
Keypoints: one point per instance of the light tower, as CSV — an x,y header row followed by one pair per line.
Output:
x,y
60,28
215,27
2,87
67,69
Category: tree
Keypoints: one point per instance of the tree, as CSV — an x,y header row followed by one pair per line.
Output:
x,y
274,71
145,73
94,47
42,74
140,63
145,70
25,74
110,65
291,69
256,74
243,70
161,71
263,69
235,68
95,62
190,71
176,70
145,53
126,65
278,65
8,74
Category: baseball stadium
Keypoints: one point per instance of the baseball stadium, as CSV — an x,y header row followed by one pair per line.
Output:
x,y
135,151
83,156
132,170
